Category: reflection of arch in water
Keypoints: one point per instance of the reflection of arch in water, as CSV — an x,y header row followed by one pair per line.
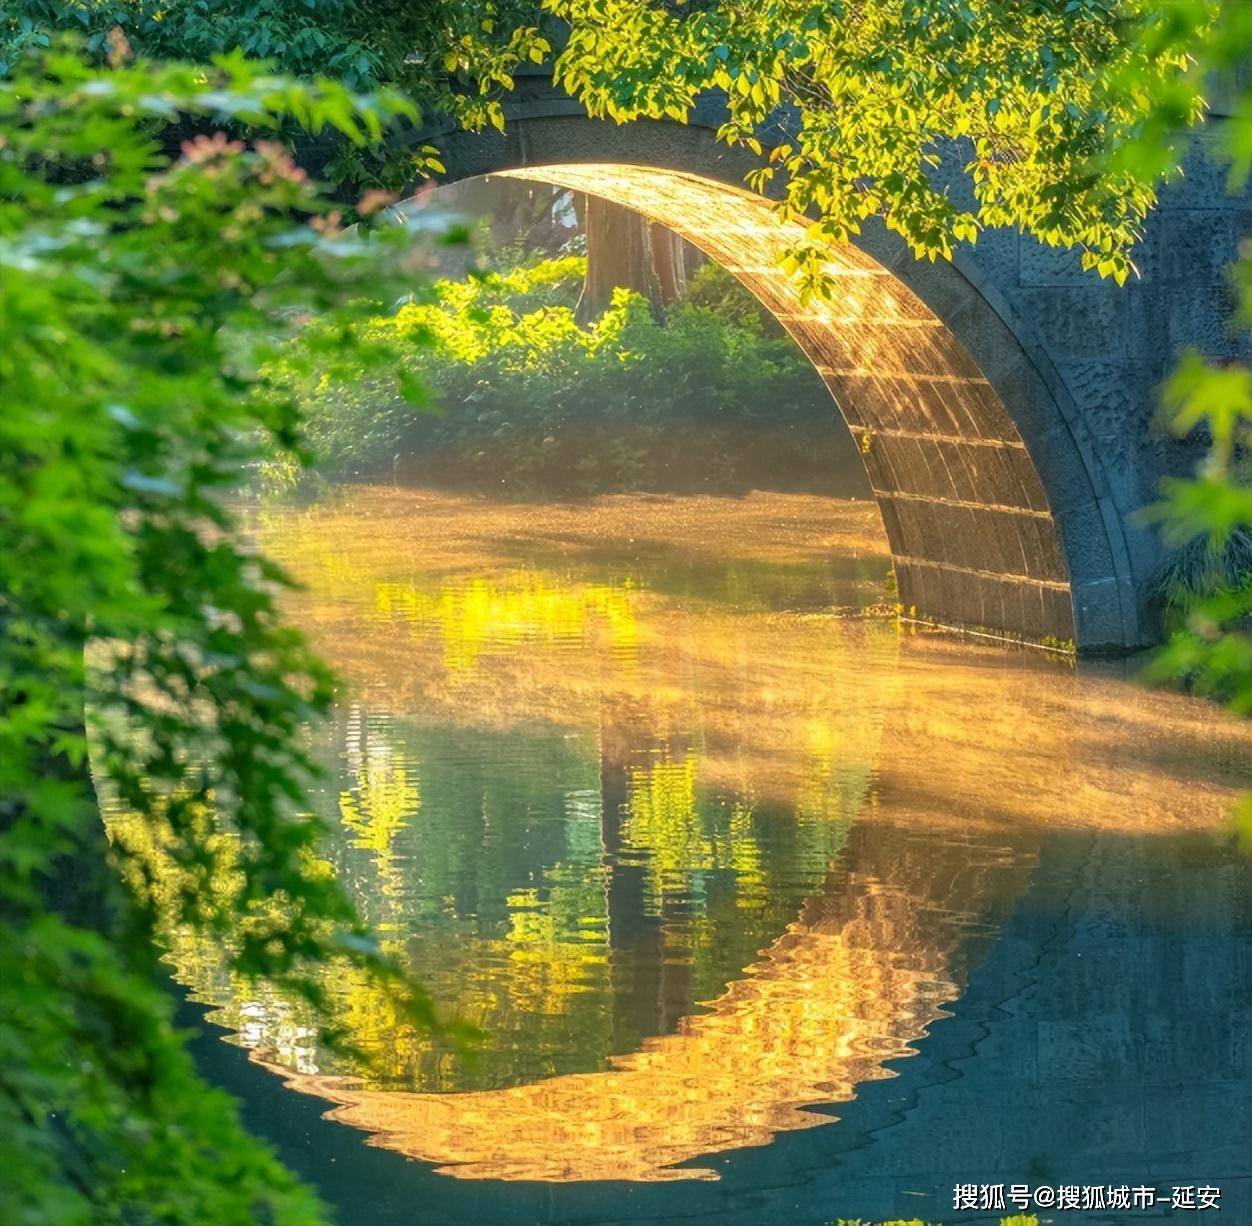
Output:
x,y
972,529
977,759
922,885
860,976
784,731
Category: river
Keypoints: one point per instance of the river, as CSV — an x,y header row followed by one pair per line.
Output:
x,y
767,908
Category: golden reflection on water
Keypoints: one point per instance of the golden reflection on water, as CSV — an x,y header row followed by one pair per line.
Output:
x,y
784,834
816,1017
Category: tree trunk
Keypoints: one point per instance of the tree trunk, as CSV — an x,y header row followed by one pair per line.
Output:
x,y
669,264
625,249
619,254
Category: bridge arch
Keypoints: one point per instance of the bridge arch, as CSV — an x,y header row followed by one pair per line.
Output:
x,y
995,503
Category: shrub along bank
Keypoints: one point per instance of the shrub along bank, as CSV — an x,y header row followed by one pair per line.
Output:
x,y
521,399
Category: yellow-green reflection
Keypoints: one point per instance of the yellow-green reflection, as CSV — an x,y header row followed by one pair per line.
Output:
x,y
694,849
523,609
383,795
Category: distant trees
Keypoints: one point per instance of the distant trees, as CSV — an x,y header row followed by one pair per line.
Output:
x,y
523,399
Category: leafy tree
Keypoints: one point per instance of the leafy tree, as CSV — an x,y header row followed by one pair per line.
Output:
x,y
327,37
877,105
871,99
142,293
442,56
1208,518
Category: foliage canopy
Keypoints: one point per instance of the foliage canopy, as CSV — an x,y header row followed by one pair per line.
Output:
x,y
142,292
876,109
941,116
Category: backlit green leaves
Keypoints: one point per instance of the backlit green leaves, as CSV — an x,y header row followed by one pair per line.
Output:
x,y
1207,520
878,107
143,289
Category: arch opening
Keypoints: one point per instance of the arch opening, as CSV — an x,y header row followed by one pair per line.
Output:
x,y
973,538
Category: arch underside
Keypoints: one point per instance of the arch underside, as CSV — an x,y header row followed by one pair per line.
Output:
x,y
972,536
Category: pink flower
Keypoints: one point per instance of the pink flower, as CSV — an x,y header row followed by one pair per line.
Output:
x,y
330,225
208,148
277,163
373,200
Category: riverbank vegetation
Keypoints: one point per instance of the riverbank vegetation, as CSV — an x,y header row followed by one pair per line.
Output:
x,y
520,399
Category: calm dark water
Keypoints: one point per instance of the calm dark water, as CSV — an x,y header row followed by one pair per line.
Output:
x,y
768,911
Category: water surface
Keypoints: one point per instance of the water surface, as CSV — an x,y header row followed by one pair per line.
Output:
x,y
764,905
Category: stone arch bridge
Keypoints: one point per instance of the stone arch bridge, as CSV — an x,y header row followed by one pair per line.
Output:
x,y
1004,402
